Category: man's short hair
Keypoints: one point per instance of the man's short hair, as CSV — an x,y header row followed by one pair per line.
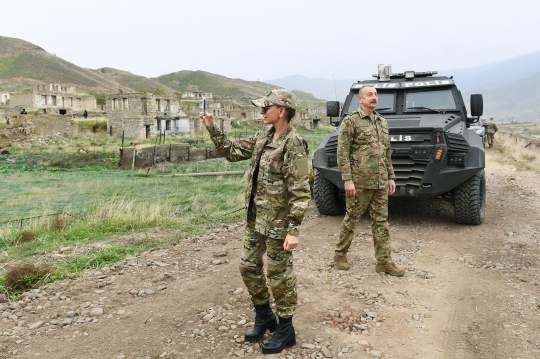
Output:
x,y
364,86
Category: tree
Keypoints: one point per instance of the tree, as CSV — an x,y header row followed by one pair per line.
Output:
x,y
158,90
101,98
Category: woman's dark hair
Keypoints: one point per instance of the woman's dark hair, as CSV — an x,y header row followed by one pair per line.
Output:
x,y
290,113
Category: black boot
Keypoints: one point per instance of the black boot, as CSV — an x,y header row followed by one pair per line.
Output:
x,y
264,320
284,337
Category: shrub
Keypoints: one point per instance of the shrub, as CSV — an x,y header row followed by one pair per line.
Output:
x,y
26,236
58,223
25,277
527,157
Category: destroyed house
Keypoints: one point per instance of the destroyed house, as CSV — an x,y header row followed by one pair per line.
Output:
x,y
136,115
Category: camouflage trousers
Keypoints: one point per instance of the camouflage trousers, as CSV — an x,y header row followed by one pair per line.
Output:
x,y
279,272
377,202
490,138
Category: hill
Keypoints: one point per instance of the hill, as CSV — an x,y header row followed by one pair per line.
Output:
x,y
514,101
496,74
508,87
319,87
134,82
23,64
220,86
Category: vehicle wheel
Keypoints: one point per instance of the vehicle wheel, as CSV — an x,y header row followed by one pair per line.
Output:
x,y
469,200
326,196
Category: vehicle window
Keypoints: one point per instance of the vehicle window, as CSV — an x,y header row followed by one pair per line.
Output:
x,y
425,100
386,103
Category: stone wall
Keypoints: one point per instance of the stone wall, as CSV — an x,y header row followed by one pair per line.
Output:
x,y
25,128
53,125
4,98
173,153
10,137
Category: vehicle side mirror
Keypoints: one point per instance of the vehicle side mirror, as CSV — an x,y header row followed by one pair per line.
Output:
x,y
471,121
332,110
477,105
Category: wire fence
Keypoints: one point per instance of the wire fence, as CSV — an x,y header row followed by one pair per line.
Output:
x,y
21,220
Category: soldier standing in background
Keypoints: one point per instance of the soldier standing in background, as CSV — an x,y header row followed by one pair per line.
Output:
x,y
491,129
277,197
485,126
366,167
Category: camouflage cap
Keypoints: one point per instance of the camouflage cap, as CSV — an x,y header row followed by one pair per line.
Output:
x,y
280,97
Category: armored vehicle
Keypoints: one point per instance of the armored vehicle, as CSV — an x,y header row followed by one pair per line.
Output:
x,y
434,153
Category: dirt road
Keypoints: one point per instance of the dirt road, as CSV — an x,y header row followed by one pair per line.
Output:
x,y
469,292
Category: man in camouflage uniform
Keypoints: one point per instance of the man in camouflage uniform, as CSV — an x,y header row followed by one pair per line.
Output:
x,y
484,124
277,197
365,165
491,129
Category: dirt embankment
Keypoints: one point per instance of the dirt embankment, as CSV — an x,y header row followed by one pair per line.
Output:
x,y
469,292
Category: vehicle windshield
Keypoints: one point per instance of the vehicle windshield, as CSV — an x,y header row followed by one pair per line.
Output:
x,y
386,103
429,100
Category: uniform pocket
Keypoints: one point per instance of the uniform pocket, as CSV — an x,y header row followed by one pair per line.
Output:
x,y
273,182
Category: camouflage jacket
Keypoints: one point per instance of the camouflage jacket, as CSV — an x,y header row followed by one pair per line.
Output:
x,y
282,183
364,150
492,127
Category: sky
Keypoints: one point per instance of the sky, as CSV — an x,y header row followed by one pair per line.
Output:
x,y
263,40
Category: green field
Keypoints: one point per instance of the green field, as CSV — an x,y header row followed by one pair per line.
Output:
x,y
524,128
82,201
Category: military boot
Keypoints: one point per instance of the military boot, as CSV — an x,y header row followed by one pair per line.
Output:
x,y
340,262
390,268
264,320
284,337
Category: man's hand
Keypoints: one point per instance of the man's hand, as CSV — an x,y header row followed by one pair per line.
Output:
x,y
350,190
391,187
207,119
291,242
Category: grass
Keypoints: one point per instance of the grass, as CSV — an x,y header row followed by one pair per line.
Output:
x,y
99,152
102,214
99,123
6,64
524,128
314,136
105,204
520,149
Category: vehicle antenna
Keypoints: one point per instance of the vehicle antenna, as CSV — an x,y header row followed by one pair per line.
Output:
x,y
335,91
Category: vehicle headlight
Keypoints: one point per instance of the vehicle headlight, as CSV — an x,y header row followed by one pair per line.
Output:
x,y
478,132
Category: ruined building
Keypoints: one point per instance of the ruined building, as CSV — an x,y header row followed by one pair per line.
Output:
x,y
144,115
196,95
52,98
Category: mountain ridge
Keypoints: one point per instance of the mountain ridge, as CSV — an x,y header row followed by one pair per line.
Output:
x,y
19,60
508,86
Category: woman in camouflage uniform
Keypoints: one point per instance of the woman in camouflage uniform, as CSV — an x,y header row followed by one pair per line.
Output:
x,y
277,197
